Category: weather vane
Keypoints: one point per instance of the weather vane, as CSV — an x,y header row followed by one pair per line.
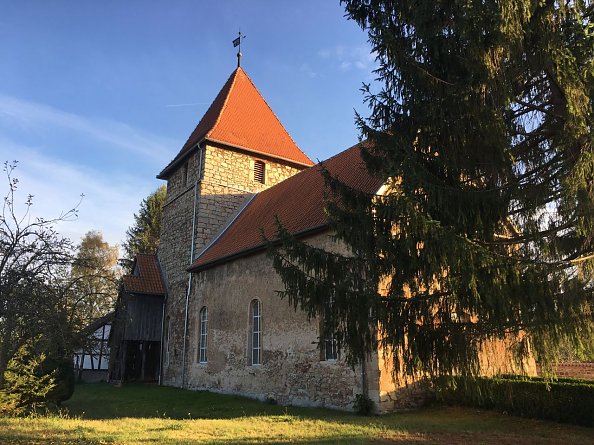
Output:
x,y
237,42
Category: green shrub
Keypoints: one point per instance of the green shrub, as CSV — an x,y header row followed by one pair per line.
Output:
x,y
565,400
26,385
39,375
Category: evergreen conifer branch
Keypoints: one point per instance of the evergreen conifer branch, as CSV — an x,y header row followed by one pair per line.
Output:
x,y
483,126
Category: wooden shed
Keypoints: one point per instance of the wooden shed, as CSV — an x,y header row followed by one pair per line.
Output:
x,y
137,327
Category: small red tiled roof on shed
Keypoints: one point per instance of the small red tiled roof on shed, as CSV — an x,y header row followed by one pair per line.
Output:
x,y
240,117
298,202
148,281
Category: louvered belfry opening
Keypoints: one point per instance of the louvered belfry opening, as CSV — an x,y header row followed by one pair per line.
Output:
x,y
259,172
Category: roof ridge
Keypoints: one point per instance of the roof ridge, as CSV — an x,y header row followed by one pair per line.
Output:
x,y
298,201
224,106
319,164
149,279
340,153
240,117
242,211
229,223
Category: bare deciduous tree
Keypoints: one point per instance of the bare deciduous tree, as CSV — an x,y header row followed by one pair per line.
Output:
x,y
34,266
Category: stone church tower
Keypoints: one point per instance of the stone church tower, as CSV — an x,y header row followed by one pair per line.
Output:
x,y
238,148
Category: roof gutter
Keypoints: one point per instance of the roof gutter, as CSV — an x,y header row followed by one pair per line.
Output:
x,y
165,172
254,249
229,224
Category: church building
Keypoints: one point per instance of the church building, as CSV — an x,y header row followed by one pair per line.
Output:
x,y
224,327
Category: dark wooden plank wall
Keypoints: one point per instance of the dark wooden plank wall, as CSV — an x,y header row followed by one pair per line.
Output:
x,y
144,316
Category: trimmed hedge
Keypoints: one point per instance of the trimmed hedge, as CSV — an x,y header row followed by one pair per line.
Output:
x,y
564,400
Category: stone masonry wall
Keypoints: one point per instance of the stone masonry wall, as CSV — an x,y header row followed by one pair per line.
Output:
x,y
227,182
495,358
224,181
292,371
174,256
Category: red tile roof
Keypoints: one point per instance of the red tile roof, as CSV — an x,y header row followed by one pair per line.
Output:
x,y
149,280
240,117
298,202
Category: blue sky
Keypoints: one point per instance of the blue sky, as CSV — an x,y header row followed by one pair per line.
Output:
x,y
96,97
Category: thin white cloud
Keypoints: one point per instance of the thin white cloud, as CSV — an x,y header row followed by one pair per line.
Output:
x,y
56,185
345,65
324,53
62,155
350,57
308,70
191,104
30,115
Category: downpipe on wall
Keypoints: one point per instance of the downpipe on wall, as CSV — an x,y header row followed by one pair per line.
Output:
x,y
189,287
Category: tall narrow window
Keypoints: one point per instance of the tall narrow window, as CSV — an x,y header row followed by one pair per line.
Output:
x,y
259,172
330,347
328,336
202,341
255,333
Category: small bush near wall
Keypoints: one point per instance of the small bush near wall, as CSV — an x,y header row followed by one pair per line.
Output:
x,y
564,400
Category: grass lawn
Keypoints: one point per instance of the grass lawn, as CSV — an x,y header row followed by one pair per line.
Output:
x,y
139,414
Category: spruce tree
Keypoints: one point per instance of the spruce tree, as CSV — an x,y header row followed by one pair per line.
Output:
x,y
144,235
482,126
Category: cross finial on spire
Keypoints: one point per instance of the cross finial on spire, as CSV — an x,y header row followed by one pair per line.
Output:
x,y
237,42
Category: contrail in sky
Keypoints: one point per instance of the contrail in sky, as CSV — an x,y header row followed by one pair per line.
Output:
x,y
187,105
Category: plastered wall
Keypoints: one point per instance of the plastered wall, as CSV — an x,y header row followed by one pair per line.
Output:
x,y
292,369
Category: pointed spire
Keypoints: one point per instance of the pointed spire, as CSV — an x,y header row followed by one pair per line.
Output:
x,y
240,117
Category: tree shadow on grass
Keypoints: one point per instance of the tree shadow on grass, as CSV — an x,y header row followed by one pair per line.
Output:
x,y
27,439
143,403
104,401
